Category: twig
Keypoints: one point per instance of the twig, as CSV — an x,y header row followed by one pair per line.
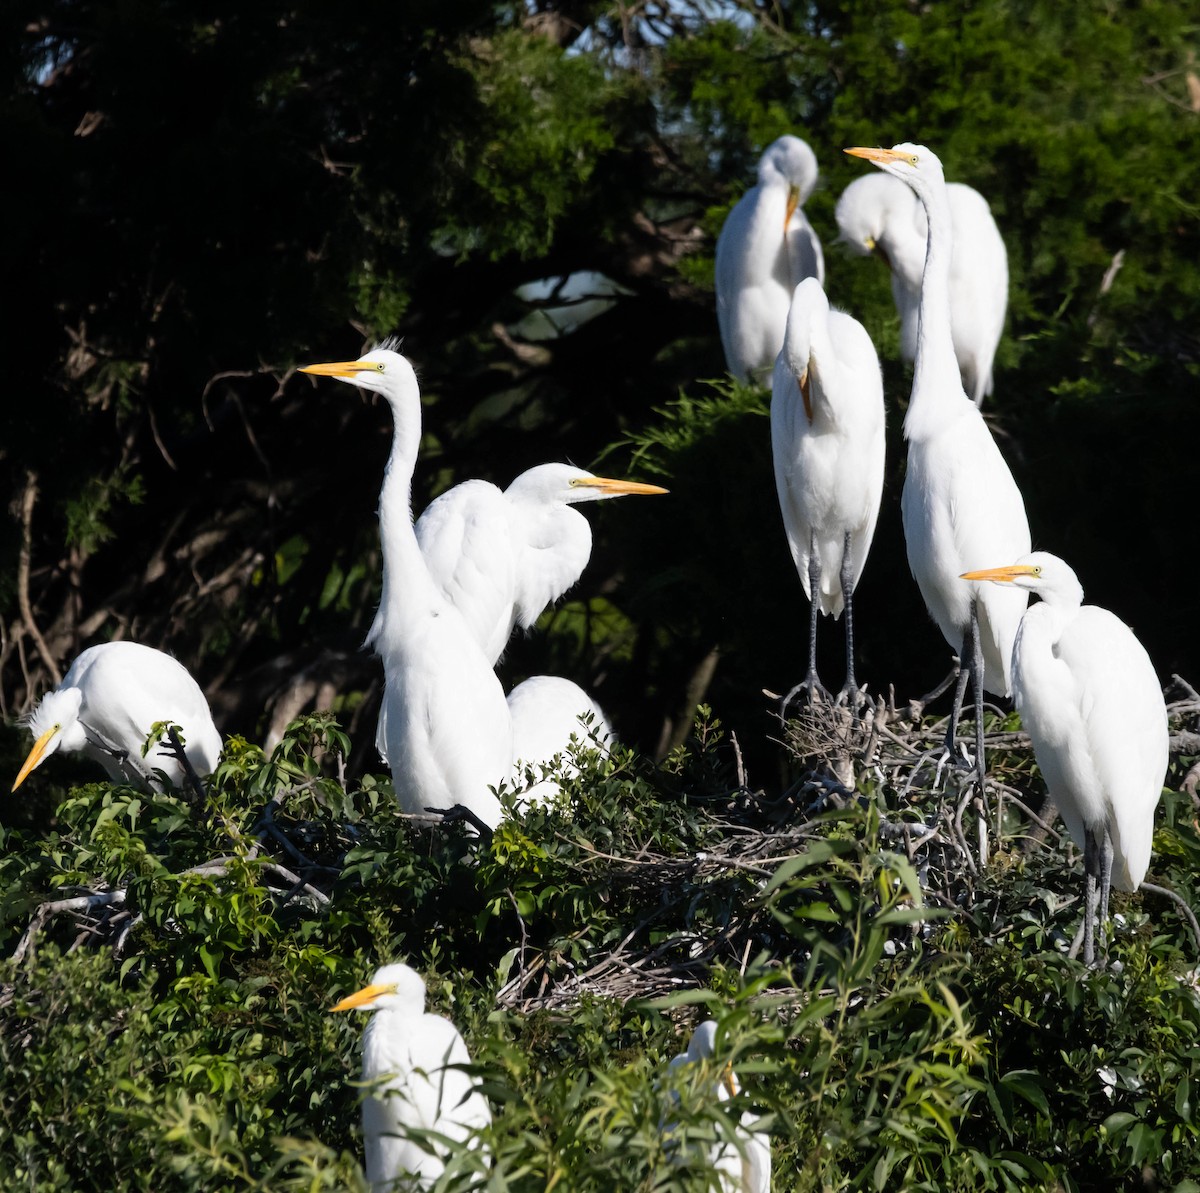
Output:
x,y
28,498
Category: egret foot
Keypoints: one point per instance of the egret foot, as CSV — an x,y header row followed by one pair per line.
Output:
x,y
817,693
460,813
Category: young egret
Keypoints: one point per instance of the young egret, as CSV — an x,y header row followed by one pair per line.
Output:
x,y
879,214
501,556
548,713
827,423
765,249
105,707
419,1104
960,504
446,730
1091,702
744,1166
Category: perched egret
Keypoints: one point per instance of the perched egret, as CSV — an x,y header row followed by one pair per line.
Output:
x,y
1091,702
765,249
447,732
744,1167
500,557
417,1088
105,707
879,214
960,504
547,713
827,423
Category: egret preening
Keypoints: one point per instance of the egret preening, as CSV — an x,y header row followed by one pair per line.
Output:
x,y
547,712
500,557
447,732
765,249
412,1064
879,214
1091,703
744,1167
105,707
827,424
960,504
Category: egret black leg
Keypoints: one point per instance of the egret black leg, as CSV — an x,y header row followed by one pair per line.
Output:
x,y
960,690
1093,863
847,578
811,683
977,689
1106,861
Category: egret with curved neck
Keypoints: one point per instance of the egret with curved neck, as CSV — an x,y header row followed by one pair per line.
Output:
x,y
1090,700
445,725
960,504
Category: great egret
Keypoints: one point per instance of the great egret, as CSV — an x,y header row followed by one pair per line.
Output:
x,y
1091,703
500,557
106,705
447,730
765,249
878,213
746,1166
547,713
827,424
960,504
417,1088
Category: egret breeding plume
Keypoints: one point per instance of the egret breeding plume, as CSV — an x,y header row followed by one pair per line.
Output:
x,y
744,1166
879,214
960,504
765,249
105,707
446,730
416,1087
827,439
1091,703
501,557
548,712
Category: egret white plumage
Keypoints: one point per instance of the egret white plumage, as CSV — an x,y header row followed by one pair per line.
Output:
x,y
1090,700
412,1063
548,713
765,249
878,213
105,707
827,439
960,504
501,557
447,730
744,1167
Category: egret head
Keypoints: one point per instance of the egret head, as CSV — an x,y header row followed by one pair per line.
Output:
x,y
868,207
54,725
915,165
393,988
808,305
703,1041
1052,578
553,484
382,370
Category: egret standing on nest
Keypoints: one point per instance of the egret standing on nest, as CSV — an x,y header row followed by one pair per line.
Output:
x,y
1091,703
105,707
412,1066
879,214
827,423
960,504
448,732
765,249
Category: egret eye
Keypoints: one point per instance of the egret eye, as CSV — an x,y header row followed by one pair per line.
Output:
x,y
379,367
1037,571
912,159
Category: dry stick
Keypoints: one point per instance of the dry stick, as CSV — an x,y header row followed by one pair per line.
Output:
x,y
59,907
27,503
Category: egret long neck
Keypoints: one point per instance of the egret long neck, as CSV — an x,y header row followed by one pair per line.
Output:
x,y
408,589
937,391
